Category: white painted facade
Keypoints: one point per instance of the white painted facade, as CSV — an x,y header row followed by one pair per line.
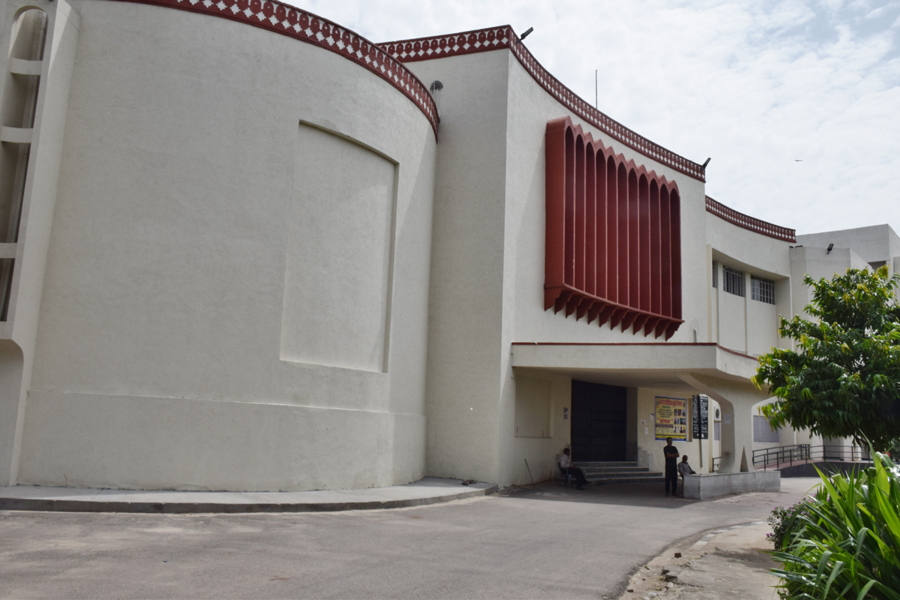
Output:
x,y
247,262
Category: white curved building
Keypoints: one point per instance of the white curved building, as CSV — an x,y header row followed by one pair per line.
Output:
x,y
247,249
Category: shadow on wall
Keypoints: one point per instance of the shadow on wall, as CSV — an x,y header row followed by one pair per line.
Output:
x,y
11,365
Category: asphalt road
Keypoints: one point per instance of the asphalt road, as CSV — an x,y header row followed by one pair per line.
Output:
x,y
548,542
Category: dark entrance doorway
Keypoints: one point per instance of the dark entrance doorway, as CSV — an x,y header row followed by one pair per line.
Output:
x,y
599,417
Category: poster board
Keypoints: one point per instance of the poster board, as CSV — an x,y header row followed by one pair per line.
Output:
x,y
671,418
700,410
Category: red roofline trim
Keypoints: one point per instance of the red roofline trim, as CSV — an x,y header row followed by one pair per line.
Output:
x,y
495,38
751,223
313,29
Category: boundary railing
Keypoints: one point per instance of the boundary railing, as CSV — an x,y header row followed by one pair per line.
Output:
x,y
787,456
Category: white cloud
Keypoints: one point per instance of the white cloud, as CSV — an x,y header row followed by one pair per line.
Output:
x,y
753,84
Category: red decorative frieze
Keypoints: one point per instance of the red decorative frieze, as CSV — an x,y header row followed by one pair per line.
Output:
x,y
747,222
495,38
613,238
467,42
313,29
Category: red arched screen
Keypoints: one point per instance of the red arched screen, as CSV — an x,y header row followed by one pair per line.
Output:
x,y
613,248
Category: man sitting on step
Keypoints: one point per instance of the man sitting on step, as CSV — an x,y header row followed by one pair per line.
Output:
x,y
565,466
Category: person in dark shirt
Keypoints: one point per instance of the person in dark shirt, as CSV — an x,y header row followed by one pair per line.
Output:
x,y
671,454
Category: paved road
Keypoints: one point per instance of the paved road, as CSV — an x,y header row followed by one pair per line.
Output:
x,y
548,542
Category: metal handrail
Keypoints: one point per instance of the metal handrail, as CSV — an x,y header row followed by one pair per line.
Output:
x,y
802,453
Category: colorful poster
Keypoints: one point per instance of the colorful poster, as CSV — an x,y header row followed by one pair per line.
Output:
x,y
671,418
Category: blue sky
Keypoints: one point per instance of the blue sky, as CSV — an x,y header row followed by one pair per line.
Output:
x,y
755,85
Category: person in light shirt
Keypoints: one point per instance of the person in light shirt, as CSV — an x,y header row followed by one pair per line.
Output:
x,y
684,469
566,465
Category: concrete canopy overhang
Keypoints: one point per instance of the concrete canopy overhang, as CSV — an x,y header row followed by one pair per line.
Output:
x,y
653,365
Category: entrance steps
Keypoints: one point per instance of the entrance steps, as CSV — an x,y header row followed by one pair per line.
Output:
x,y
599,473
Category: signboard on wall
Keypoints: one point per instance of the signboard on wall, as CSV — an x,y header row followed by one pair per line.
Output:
x,y
700,418
671,418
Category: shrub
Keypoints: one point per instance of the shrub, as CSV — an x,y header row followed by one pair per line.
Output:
x,y
846,542
784,520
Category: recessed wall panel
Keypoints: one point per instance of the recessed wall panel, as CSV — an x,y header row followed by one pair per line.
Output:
x,y
338,256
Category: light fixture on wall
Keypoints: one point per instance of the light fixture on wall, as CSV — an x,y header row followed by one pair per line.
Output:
x,y
830,248
526,34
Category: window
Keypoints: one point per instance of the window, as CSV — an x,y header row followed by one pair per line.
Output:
x,y
762,289
715,274
763,432
734,281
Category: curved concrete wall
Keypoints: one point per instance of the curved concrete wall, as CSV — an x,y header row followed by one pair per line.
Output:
x,y
237,286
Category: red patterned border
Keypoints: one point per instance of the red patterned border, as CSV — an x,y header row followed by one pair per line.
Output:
x,y
751,223
313,29
482,40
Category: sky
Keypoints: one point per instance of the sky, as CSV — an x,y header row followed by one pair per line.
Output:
x,y
796,102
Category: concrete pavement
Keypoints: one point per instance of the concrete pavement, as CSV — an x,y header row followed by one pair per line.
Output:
x,y
727,564
541,542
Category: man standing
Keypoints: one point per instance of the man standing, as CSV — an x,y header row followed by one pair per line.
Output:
x,y
671,454
566,465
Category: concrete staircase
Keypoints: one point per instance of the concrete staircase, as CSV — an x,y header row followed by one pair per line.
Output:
x,y
599,473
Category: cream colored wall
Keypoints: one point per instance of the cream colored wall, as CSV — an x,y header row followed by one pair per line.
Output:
x,y
344,254
540,455
52,76
530,108
524,317
819,264
873,244
758,253
732,321
741,323
762,326
485,283
180,346
713,447
466,351
650,450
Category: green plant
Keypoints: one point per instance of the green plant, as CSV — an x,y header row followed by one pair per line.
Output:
x,y
843,379
784,520
846,543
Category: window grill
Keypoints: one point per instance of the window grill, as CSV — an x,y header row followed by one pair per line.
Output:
x,y
733,281
763,432
762,289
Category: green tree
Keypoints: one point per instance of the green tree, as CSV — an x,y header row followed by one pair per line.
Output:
x,y
843,379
